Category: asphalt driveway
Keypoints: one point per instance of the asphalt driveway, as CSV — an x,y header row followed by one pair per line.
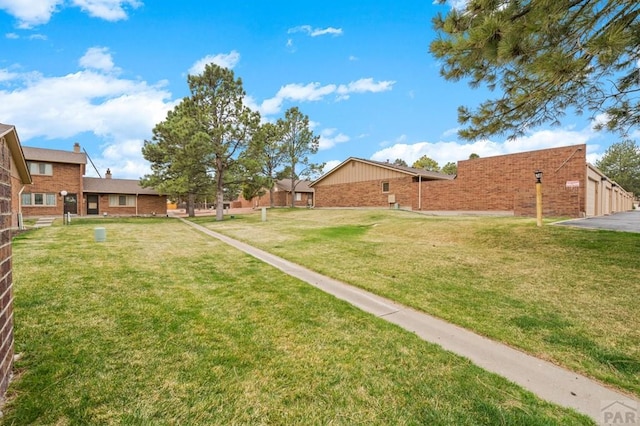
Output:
x,y
624,221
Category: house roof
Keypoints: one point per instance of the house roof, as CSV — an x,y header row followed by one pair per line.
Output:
x,y
115,186
402,169
9,133
301,186
54,155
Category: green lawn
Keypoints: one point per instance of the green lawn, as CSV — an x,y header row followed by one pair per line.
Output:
x,y
567,295
163,325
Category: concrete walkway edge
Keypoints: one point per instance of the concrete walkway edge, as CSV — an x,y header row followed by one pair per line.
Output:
x,y
546,380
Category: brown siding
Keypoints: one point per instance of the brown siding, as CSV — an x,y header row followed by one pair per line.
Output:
x,y
6,280
357,171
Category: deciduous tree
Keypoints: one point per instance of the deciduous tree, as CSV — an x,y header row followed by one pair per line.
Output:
x,y
450,168
426,163
621,162
544,57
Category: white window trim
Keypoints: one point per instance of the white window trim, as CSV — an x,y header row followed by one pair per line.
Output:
x,y
114,200
46,196
34,168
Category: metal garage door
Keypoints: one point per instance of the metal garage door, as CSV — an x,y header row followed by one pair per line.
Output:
x,y
592,189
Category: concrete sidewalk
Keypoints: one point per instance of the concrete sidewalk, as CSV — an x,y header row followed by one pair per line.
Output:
x,y
544,379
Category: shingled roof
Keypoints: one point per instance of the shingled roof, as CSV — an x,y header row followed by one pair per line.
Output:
x,y
115,186
54,155
403,169
9,133
301,185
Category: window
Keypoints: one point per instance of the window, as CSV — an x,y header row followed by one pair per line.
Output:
x,y
298,196
122,200
40,168
385,186
38,199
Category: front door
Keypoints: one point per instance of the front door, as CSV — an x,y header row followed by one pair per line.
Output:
x,y
71,203
92,204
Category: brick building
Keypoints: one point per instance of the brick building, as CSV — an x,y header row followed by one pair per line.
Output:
x,y
505,184
303,196
59,186
14,174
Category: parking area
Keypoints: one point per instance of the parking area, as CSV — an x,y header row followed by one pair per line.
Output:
x,y
624,221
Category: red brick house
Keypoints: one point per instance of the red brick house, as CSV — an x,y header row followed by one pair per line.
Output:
x,y
505,184
365,183
303,196
14,174
59,187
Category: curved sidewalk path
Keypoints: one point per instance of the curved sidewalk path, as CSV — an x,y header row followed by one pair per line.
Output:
x,y
547,380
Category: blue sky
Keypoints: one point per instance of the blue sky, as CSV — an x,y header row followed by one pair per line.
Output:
x,y
104,72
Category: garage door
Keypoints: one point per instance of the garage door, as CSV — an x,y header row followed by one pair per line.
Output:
x,y
592,188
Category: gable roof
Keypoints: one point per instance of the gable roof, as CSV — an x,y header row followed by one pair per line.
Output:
x,y
301,186
115,186
54,155
10,135
411,171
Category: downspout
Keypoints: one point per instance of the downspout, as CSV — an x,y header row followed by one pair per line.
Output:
x,y
136,204
419,192
20,220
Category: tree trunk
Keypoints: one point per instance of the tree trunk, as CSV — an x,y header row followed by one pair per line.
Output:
x,y
293,186
191,201
271,196
219,195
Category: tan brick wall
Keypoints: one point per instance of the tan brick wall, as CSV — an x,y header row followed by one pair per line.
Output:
x,y
501,183
6,279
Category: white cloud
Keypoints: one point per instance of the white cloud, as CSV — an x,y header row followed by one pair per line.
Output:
x,y
225,60
308,92
452,151
330,165
109,10
313,92
37,37
6,75
12,36
315,32
97,58
119,112
31,13
329,138
365,85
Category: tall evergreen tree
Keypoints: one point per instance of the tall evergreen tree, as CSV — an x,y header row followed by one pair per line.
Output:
x,y
179,158
266,154
299,143
544,57
222,120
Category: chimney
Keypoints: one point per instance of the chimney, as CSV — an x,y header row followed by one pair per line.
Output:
x,y
108,174
76,147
